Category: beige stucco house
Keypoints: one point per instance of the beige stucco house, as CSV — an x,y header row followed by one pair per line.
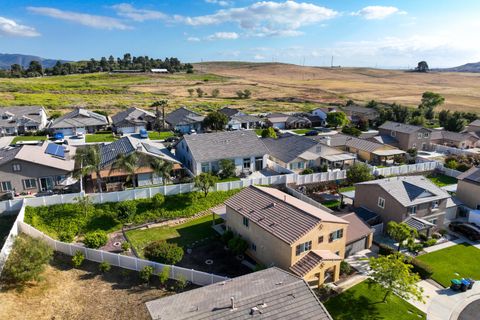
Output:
x,y
407,136
468,189
286,232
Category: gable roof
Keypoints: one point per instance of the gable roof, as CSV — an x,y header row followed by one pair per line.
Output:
x,y
132,115
20,115
229,112
277,117
311,261
225,145
409,190
357,228
79,118
269,294
183,116
285,217
471,175
453,136
362,144
475,123
288,147
401,127
361,110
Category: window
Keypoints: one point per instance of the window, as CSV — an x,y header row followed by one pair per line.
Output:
x,y
381,202
435,204
419,135
16,167
246,221
393,133
433,221
412,210
246,163
335,235
320,239
301,248
478,206
297,165
414,145
205,167
254,247
6,186
29,184
425,135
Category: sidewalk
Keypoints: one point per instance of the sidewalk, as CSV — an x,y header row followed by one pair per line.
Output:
x,y
448,304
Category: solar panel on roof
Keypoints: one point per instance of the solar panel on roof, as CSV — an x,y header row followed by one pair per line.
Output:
x,y
51,148
55,150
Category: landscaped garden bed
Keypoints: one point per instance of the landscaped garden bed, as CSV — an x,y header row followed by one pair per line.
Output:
x,y
155,135
28,138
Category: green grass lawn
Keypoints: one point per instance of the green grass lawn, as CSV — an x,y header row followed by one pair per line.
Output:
x,y
28,138
155,135
301,131
364,302
345,189
229,179
183,235
259,132
331,204
460,261
442,180
99,137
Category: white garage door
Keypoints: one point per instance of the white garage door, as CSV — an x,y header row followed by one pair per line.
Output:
x,y
66,132
127,129
80,130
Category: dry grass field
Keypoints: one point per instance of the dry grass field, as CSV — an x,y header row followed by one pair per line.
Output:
x,y
274,86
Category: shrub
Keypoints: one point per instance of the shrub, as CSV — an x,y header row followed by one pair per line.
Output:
x,y
95,239
66,236
126,246
423,269
238,245
181,283
443,232
463,167
227,236
436,235
104,267
385,250
163,252
307,171
146,274
126,210
429,243
77,259
345,268
164,275
158,200
422,237
27,261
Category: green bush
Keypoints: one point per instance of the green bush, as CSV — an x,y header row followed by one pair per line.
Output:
x,y
66,236
345,268
385,250
126,246
181,283
237,245
95,239
443,232
227,236
26,261
158,200
307,171
77,259
164,275
104,267
429,243
146,273
126,210
163,252
423,269
422,237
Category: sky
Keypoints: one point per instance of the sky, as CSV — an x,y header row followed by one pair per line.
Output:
x,y
383,34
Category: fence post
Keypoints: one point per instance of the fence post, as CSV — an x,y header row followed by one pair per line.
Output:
x,y
191,276
212,278
136,264
118,258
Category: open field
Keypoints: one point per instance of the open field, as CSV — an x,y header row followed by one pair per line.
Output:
x,y
274,86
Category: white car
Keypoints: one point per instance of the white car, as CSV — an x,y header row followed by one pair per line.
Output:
x,y
80,135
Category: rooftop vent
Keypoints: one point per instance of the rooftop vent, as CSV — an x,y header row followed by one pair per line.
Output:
x,y
232,303
254,311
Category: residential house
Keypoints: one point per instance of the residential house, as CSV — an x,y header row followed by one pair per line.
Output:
x,y
297,153
79,121
267,294
407,136
202,152
359,234
298,122
277,120
357,113
185,121
468,188
114,179
288,233
133,120
414,200
238,120
322,113
465,140
34,168
474,127
22,119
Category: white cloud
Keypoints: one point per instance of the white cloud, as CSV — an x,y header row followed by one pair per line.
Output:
x,y
128,11
266,18
222,3
223,36
377,12
259,57
193,39
9,27
94,21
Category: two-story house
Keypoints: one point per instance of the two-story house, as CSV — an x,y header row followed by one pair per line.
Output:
x,y
22,119
468,188
286,232
238,120
414,200
407,136
460,140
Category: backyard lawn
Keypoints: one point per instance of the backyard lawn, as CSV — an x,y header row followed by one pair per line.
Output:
x,y
301,131
28,138
258,132
345,189
184,234
442,180
155,135
460,261
99,137
331,204
363,302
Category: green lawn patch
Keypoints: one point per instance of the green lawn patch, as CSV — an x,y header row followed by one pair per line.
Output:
x,y
364,302
346,189
331,204
184,234
99,137
155,135
301,131
28,138
259,132
442,180
460,261
229,179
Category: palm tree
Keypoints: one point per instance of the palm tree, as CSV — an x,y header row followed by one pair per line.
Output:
x,y
162,169
128,163
90,162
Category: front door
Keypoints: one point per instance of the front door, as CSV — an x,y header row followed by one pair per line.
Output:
x,y
258,164
46,184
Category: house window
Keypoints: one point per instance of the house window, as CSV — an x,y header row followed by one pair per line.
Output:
x,y
320,239
29,184
414,145
412,210
246,221
393,133
419,135
478,206
246,163
425,135
16,167
336,235
303,247
205,167
381,202
254,247
433,221
6,186
435,204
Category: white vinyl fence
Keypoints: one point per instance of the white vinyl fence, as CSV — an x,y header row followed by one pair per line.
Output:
x,y
7,246
196,277
451,150
405,169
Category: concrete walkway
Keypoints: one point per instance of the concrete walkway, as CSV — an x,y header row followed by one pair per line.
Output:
x,y
447,304
5,141
359,261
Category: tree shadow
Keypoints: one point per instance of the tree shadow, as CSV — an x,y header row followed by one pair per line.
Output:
x,y
346,306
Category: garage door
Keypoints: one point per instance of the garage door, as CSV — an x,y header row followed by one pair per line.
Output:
x,y
81,130
127,129
66,132
355,247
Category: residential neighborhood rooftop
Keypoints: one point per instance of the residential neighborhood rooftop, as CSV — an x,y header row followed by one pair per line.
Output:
x,y
14,116
79,118
183,116
132,115
288,147
471,175
311,260
357,228
400,127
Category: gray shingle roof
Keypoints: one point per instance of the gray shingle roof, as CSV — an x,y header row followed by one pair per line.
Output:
x,y
225,145
133,116
79,118
401,127
475,123
245,118
229,112
357,228
267,294
288,147
410,190
20,115
8,153
278,213
471,175
183,116
385,139
361,110
362,144
452,136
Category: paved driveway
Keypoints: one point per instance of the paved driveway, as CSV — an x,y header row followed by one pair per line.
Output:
x,y
5,141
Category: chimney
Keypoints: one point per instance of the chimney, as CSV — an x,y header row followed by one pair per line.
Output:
x,y
232,301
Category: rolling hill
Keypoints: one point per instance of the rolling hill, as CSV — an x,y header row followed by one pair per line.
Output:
x,y
469,67
7,59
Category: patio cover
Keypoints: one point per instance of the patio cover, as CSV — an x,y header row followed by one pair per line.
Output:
x,y
450,188
348,194
386,153
339,157
308,155
418,224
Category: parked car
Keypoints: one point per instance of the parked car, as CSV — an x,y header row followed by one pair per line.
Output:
x,y
45,193
312,133
143,134
7,195
80,135
469,231
58,136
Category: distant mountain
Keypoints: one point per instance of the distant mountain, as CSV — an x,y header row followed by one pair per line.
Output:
x,y
6,60
469,67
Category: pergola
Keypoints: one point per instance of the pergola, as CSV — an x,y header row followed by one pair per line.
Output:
x,y
338,160
385,155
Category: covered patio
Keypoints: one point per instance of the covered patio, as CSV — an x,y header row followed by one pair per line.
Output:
x,y
340,160
386,157
420,225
